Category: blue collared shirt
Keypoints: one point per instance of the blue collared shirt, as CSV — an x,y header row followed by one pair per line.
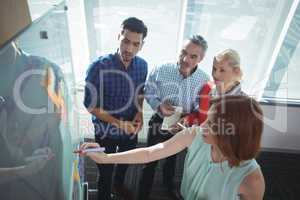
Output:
x,y
166,83
113,88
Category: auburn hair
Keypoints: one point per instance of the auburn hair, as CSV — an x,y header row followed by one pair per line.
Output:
x,y
238,127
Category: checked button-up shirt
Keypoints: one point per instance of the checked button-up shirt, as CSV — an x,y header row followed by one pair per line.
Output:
x,y
115,89
166,83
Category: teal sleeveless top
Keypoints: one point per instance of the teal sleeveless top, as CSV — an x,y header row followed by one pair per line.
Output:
x,y
205,180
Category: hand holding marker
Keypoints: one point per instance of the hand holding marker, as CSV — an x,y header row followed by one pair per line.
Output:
x,y
98,149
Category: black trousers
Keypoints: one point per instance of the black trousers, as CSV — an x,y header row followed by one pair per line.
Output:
x,y
156,135
106,170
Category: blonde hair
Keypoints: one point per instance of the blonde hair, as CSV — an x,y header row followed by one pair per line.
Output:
x,y
233,58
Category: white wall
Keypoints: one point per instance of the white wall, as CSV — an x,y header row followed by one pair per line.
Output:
x,y
281,130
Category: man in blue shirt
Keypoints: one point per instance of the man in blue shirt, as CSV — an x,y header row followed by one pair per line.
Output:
x,y
170,85
114,97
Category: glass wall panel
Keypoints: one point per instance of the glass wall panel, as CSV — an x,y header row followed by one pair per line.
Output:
x,y
38,127
251,27
163,18
283,81
40,7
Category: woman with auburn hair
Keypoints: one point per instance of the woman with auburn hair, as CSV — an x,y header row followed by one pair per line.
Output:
x,y
220,163
227,74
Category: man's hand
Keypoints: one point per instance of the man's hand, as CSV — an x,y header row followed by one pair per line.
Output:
x,y
175,128
138,121
166,109
127,126
184,121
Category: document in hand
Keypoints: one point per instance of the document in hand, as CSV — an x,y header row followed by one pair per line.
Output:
x,y
173,119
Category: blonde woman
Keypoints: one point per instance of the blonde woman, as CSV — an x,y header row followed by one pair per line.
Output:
x,y
227,74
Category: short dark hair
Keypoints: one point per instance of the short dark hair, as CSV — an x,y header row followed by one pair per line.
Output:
x,y
134,24
200,41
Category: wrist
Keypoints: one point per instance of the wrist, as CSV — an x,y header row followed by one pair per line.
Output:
x,y
98,157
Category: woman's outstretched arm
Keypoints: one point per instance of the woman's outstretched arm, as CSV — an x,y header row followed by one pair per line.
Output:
x,y
144,155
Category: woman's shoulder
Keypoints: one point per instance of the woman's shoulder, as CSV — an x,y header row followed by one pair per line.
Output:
x,y
253,185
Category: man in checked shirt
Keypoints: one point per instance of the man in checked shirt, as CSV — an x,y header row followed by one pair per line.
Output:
x,y
169,85
114,95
